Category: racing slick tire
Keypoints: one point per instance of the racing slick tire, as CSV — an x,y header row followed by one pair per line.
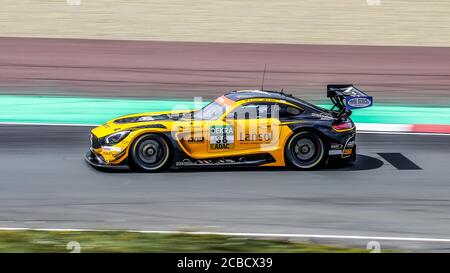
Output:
x,y
150,153
305,150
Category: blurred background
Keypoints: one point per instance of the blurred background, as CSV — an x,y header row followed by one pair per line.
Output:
x,y
394,49
355,22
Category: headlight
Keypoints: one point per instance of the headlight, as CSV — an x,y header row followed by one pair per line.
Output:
x,y
115,138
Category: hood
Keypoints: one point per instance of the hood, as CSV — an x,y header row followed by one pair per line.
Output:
x,y
151,116
160,120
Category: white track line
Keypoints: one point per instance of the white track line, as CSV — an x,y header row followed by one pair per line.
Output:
x,y
244,234
383,127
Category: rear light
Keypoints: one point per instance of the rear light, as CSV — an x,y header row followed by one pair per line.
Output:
x,y
343,126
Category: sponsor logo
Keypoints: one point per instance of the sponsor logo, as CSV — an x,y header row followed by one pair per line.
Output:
x,y
336,146
335,149
359,102
322,116
221,137
348,151
189,162
335,152
222,130
193,139
265,137
351,144
221,146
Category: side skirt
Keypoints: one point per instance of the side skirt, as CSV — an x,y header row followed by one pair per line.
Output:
x,y
234,161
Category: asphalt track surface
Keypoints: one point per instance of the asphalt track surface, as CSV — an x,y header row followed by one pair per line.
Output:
x,y
418,75
45,183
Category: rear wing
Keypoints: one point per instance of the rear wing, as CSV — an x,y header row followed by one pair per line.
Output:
x,y
346,97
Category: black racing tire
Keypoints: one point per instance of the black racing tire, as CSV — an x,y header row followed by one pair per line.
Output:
x,y
150,153
305,150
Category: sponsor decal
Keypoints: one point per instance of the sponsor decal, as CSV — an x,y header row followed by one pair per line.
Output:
x,y
195,139
189,162
221,137
260,137
221,146
322,116
358,102
348,151
335,149
336,146
351,144
335,152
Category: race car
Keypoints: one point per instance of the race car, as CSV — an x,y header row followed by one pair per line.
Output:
x,y
241,128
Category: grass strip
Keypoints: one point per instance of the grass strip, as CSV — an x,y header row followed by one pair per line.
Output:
x,y
35,241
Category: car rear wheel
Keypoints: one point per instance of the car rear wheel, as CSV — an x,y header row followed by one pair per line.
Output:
x,y
150,153
305,150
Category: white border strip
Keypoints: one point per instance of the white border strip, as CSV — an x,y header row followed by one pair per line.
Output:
x,y
383,127
244,234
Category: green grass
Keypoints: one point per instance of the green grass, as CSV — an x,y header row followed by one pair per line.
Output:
x,y
120,241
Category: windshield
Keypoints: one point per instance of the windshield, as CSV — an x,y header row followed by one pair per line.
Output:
x,y
212,111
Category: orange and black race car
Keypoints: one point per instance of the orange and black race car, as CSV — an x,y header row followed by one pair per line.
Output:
x,y
241,128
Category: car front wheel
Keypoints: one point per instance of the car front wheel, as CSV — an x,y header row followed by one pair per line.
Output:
x,y
150,153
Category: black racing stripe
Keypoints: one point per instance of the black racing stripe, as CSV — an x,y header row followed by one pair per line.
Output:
x,y
399,161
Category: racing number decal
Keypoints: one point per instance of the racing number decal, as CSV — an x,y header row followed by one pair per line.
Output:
x,y
221,137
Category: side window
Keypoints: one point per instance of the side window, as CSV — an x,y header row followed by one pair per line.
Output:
x,y
264,110
287,111
251,111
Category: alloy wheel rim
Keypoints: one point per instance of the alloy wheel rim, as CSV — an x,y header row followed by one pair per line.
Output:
x,y
305,150
150,151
